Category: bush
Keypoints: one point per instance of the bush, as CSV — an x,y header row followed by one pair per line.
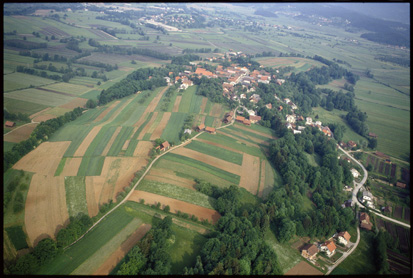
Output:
x,y
166,208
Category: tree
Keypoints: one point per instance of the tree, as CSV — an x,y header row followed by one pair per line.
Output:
x,y
286,230
45,251
91,103
372,143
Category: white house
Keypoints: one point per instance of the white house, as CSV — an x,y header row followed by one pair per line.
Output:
x,y
242,96
329,247
367,195
308,121
287,100
343,237
289,126
355,173
290,119
318,123
296,131
301,127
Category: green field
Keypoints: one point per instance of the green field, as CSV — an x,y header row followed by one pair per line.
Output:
x,y
220,153
196,103
39,97
174,126
76,195
17,237
177,192
68,88
91,166
7,146
74,133
21,106
187,96
18,80
101,140
249,133
123,135
203,166
60,167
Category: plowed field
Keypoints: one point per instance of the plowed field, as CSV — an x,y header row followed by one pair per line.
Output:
x,y
175,205
20,133
77,102
303,268
94,185
250,173
71,166
46,210
143,148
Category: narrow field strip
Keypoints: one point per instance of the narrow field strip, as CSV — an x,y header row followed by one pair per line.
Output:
x,y
116,147
202,213
103,253
176,104
38,113
116,113
107,110
112,139
71,166
161,126
81,150
250,130
262,179
250,173
94,187
76,195
148,125
172,177
142,149
203,105
221,153
242,141
218,145
122,250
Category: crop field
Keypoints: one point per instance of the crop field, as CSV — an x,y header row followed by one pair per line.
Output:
x,y
172,129
187,96
19,134
68,88
39,97
76,195
101,140
18,80
196,104
220,153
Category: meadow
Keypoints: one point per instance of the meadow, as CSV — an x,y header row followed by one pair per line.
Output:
x,y
220,153
76,195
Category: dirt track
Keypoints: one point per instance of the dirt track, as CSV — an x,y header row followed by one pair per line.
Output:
x,y
213,161
121,252
45,210
175,205
161,126
44,159
250,173
81,150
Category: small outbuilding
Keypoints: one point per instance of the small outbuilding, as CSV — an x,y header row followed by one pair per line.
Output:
x,y
9,124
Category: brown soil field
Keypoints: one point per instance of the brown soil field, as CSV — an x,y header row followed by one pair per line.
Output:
x,y
216,110
161,126
44,117
176,104
238,139
216,162
147,126
20,133
77,102
45,210
40,112
250,173
121,252
112,139
168,176
71,166
217,145
175,205
81,150
303,268
44,159
203,105
143,148
262,181
126,145
94,186
254,131
107,110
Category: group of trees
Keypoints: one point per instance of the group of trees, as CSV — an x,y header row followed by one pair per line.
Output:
x,y
43,74
42,132
401,61
338,100
357,120
210,88
187,125
25,44
150,256
132,50
184,59
78,226
16,116
199,50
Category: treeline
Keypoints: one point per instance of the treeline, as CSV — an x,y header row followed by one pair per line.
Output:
x,y
357,120
265,13
401,61
265,54
156,27
78,226
187,125
150,256
16,116
388,37
199,50
107,67
185,59
210,88
25,44
42,132
133,50
44,57
43,74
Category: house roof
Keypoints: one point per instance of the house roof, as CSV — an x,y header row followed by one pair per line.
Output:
x,y
240,118
345,234
9,123
400,184
311,249
165,145
255,118
330,245
247,122
189,131
210,129
364,216
201,126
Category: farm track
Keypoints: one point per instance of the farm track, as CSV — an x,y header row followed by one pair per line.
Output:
x,y
141,178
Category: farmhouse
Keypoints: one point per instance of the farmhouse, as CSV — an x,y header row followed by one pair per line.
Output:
x,y
326,130
210,130
351,144
189,131
246,122
227,119
9,124
308,121
343,237
355,173
164,146
255,119
296,131
367,195
309,251
318,123
255,98
329,247
290,119
401,185
240,119
301,127
365,221
201,127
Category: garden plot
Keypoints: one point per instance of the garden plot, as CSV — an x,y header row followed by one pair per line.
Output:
x,y
303,268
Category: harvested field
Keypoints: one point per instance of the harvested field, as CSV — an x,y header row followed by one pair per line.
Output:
x,y
262,179
20,133
94,185
213,161
40,112
45,210
218,145
168,176
71,166
44,159
203,105
121,252
250,173
107,110
303,268
77,102
398,212
161,126
143,148
176,104
147,126
202,213
254,131
81,150
112,139
44,117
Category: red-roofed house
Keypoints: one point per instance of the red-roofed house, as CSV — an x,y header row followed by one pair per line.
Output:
x,y
365,221
329,247
255,119
269,106
164,146
240,119
343,237
210,130
228,119
9,124
351,144
246,122
309,251
201,127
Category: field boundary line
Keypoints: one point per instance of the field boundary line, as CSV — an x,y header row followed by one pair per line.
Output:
x,y
142,177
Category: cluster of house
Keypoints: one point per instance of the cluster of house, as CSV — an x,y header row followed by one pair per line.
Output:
x,y
310,251
365,221
208,129
349,145
291,120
